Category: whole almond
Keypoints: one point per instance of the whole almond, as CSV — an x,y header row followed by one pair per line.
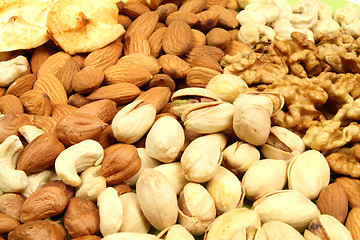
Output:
x,y
134,9
165,10
200,76
52,86
87,79
150,63
7,224
177,38
36,102
161,80
188,17
21,85
157,96
206,61
10,124
68,190
78,100
104,109
45,123
39,56
218,37
121,161
144,24
199,38
207,20
10,204
43,203
194,6
352,189
121,93
222,3
136,43
353,222
333,200
227,19
127,73
38,229
76,127
215,53
60,110
67,72
234,47
104,57
159,25
106,138
40,154
156,42
10,104
53,64
174,66
124,20
233,5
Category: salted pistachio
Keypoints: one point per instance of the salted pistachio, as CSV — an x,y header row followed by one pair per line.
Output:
x,y
230,223
165,139
175,232
146,162
133,121
263,177
173,171
157,199
196,208
275,230
308,173
328,228
186,97
130,236
250,233
251,120
282,144
201,159
276,98
227,191
288,206
239,156
133,218
92,184
208,117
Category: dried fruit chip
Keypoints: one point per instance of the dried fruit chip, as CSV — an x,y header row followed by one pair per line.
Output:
x,y
83,26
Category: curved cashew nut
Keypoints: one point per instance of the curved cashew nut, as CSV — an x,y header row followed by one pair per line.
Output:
x,y
38,180
110,211
91,184
305,14
284,28
252,33
12,69
326,26
76,159
347,14
30,132
11,180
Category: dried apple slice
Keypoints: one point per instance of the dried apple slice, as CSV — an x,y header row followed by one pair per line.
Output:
x,y
83,26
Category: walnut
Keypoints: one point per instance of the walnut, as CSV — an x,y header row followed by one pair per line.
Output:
x,y
346,161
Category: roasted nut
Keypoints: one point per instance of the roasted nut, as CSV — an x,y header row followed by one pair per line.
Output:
x,y
38,229
7,224
10,204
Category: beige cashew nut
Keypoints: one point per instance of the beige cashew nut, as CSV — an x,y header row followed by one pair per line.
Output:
x,y
91,184
12,69
38,180
30,132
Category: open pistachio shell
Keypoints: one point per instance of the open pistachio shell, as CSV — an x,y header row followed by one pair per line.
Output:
x,y
275,230
175,232
276,98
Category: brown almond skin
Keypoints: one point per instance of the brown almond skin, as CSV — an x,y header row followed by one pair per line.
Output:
x,y
188,17
78,100
104,57
88,237
122,188
45,123
134,9
60,110
144,24
39,56
174,66
333,200
68,190
76,127
36,102
88,79
156,42
67,72
10,104
43,203
53,64
21,85
353,222
352,189
39,229
121,161
165,10
177,38
7,223
10,204
157,96
161,80
81,218
10,124
106,138
194,6
40,154
104,109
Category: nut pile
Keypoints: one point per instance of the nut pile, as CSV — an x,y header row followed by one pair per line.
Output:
x,y
171,120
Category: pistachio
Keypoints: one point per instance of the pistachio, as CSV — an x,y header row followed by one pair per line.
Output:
x,y
308,173
276,98
165,139
263,177
129,235
239,156
133,121
328,228
288,206
282,144
201,159
173,171
227,190
175,232
275,230
196,208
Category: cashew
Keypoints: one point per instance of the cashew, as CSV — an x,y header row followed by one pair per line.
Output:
x,y
110,211
252,33
76,159
283,29
244,3
285,9
305,14
91,184
12,69
11,180
30,132
326,26
37,180
347,14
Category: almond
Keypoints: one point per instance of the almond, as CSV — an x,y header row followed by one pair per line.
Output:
x,y
104,57
10,104
36,102
7,224
68,190
45,123
156,42
174,66
206,61
10,124
10,204
67,72
122,188
218,37
2,91
233,5
38,229
127,73
78,100
52,86
203,50
21,85
165,10
107,138
150,63
188,17
227,19
333,200
234,47
157,96
200,76
222,3
194,6
76,127
60,110
233,34
199,38
159,25
161,80
352,189
121,93
134,9
353,222
124,20
40,154
53,64
136,43
43,203
177,38
121,161
80,58
207,20
88,79
39,56
104,109
144,24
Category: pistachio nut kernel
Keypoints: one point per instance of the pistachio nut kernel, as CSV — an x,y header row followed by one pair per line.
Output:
x,y
175,232
326,227
282,144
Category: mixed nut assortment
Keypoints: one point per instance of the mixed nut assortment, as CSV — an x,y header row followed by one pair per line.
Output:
x,y
172,119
